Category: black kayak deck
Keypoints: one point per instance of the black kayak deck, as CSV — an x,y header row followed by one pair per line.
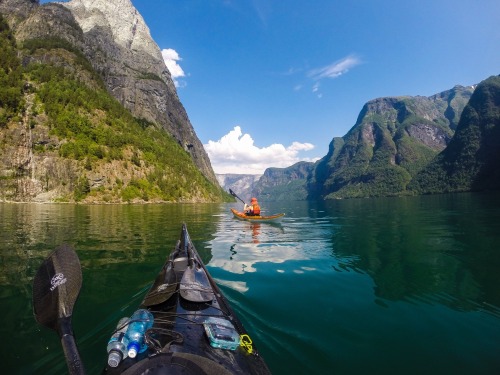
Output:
x,y
182,298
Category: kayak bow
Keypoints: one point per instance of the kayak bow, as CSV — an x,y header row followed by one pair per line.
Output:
x,y
257,218
195,331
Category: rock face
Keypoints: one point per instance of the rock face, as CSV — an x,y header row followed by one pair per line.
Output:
x,y
392,140
284,184
18,9
123,21
99,49
119,46
276,184
471,162
241,184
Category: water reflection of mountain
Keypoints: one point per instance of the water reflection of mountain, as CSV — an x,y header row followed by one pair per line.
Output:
x,y
434,249
102,235
120,248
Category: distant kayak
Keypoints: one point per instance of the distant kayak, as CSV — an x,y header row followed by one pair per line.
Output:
x,y
256,218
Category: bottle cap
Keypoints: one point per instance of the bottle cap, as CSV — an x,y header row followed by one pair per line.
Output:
x,y
133,348
114,358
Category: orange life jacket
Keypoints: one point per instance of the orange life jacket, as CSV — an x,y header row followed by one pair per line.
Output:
x,y
256,209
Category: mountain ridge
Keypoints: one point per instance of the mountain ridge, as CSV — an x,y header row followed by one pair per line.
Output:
x,y
134,71
396,145
471,162
393,139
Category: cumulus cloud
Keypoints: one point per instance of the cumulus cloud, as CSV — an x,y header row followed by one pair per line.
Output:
x,y
171,58
335,69
235,152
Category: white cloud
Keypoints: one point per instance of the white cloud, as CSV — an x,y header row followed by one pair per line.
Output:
x,y
335,69
171,58
236,153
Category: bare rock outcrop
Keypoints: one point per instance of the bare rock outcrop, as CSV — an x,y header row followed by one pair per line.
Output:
x,y
119,46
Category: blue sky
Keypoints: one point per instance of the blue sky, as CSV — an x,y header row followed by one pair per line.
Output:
x,y
267,83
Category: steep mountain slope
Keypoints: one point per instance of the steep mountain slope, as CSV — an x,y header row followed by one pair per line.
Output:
x,y
324,168
284,184
276,184
471,161
241,184
392,140
63,137
119,46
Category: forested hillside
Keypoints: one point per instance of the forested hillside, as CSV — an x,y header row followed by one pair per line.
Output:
x,y
393,139
471,162
64,138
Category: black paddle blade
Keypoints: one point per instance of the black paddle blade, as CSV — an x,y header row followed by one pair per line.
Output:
x,y
56,286
234,195
163,288
195,286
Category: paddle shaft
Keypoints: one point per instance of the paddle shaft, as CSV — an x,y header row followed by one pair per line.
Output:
x,y
72,355
70,349
234,195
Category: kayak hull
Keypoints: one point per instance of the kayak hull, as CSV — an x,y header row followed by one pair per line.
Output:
x,y
184,299
257,219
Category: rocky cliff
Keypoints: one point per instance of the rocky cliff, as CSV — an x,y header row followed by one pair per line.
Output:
x,y
121,49
62,137
116,41
241,184
392,140
282,184
471,162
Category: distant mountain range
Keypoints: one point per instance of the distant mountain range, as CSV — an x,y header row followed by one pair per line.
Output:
x,y
274,184
241,184
447,142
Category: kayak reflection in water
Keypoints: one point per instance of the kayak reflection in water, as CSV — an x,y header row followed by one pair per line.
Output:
x,y
253,209
255,232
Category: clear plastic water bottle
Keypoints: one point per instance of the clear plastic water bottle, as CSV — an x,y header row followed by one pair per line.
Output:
x,y
117,344
140,321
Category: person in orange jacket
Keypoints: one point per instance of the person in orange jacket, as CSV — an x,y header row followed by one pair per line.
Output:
x,y
253,209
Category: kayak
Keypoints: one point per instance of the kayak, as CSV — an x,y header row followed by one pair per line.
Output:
x,y
192,329
194,326
256,218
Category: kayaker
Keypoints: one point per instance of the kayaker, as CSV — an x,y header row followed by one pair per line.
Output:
x,y
253,209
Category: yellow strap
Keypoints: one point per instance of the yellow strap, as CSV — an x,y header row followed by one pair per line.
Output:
x,y
246,342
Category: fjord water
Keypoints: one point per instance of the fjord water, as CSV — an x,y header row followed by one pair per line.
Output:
x,y
382,286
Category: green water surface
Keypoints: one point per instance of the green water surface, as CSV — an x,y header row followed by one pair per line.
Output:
x,y
380,286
